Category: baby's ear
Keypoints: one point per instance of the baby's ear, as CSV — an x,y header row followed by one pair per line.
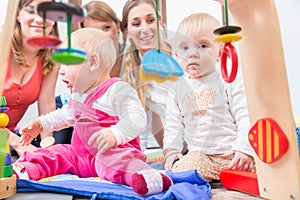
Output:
x,y
94,62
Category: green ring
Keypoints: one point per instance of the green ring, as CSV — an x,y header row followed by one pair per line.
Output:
x,y
68,58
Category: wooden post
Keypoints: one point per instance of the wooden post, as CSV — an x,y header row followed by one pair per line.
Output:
x,y
267,91
5,40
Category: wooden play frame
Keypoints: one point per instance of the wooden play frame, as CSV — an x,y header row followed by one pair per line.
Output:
x,y
265,82
267,91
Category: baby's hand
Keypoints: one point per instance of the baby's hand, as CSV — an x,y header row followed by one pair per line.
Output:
x,y
240,161
30,131
103,140
170,157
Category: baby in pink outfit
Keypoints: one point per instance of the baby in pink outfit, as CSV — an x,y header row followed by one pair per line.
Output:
x,y
107,117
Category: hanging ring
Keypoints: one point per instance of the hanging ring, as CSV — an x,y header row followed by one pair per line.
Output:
x,y
229,49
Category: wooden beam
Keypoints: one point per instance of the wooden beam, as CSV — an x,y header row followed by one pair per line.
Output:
x,y
267,91
5,39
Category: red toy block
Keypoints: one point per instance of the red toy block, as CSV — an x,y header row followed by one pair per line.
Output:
x,y
243,181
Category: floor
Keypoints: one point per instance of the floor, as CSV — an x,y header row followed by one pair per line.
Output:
x,y
217,194
223,194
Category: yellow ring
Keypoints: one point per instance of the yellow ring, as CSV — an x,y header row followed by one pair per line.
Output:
x,y
227,38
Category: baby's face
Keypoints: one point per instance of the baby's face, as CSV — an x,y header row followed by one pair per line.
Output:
x,y
71,75
197,53
76,76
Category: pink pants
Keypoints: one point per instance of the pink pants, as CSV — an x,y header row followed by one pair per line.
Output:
x,y
116,165
112,165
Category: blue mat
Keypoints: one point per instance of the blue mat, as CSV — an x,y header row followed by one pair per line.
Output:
x,y
187,185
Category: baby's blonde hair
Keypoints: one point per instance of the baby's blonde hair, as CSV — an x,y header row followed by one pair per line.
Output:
x,y
95,41
198,22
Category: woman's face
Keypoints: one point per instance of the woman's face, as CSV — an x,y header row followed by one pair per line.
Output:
x,y
142,27
31,23
110,28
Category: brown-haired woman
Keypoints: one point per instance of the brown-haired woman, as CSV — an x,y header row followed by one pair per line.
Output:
x,y
30,76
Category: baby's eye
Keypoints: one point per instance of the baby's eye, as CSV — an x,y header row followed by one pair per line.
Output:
x,y
202,46
185,48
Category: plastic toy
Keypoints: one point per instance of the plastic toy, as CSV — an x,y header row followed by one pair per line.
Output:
x,y
161,63
227,34
47,142
45,41
64,12
267,97
158,65
240,180
3,135
7,179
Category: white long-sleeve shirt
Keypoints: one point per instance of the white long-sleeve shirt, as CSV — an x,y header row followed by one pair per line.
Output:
x,y
209,114
119,100
156,94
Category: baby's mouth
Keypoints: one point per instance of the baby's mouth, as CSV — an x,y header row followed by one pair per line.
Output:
x,y
68,83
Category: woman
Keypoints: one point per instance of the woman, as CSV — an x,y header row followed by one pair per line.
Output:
x,y
30,76
101,16
139,24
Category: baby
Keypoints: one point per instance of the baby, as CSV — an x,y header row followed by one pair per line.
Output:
x,y
107,117
204,112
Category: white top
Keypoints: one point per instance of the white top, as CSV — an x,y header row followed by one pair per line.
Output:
x,y
119,100
156,97
209,114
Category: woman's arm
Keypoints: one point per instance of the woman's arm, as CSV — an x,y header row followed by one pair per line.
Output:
x,y
46,100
